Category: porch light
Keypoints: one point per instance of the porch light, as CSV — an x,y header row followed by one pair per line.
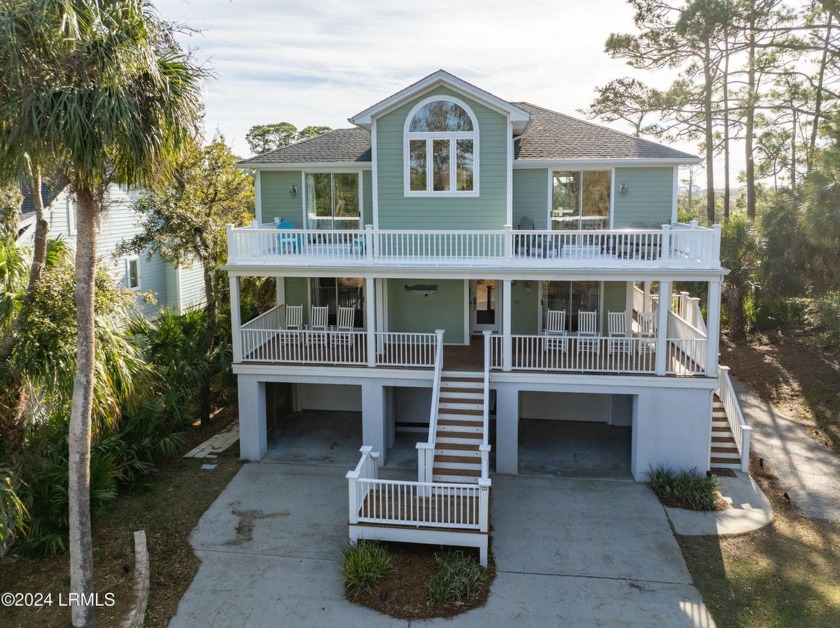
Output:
x,y
623,189
423,288
293,190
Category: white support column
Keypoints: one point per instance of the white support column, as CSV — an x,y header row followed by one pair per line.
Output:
x,y
646,303
370,321
662,327
507,341
628,305
507,430
713,328
379,290
253,431
373,418
235,319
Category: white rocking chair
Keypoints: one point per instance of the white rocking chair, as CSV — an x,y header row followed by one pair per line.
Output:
x,y
555,336
588,341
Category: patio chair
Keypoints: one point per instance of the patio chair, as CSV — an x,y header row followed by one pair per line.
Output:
x,y
588,340
522,243
617,333
294,317
319,318
647,330
344,327
287,242
554,335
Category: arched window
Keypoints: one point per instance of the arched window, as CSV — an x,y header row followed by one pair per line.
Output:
x,y
441,148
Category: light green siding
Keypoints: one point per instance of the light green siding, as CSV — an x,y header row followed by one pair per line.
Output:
x,y
276,199
487,211
530,196
524,308
649,199
408,312
615,298
296,294
367,200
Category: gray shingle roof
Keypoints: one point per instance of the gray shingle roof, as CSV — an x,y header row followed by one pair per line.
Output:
x,y
553,135
341,145
550,135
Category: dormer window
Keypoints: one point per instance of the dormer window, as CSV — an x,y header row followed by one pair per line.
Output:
x,y
441,149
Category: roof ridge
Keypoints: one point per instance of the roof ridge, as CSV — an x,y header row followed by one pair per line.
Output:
x,y
601,126
301,142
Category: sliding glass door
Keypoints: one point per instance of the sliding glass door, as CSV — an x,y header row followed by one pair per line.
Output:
x,y
581,200
572,296
332,200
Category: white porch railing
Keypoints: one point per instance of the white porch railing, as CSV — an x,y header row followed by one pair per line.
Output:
x,y
422,512
688,308
740,430
304,346
405,349
680,245
686,347
275,318
589,354
426,451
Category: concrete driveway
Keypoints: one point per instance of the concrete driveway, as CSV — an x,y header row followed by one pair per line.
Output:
x,y
568,552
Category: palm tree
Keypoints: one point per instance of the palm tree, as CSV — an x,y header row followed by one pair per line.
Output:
x,y
103,87
739,252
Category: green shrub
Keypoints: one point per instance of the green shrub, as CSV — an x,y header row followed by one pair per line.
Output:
x,y
690,489
824,314
365,564
458,578
12,511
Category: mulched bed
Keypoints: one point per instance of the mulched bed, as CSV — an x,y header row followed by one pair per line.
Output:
x,y
402,593
670,502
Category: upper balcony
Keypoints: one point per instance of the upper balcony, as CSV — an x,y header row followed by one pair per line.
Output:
x,y
676,247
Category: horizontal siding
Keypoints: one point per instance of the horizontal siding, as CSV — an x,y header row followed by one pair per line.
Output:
x,y
171,276
192,288
152,279
297,293
649,199
367,200
487,211
277,201
530,197
525,307
408,312
615,298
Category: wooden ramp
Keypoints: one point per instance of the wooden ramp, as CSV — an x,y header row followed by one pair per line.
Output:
x,y
215,445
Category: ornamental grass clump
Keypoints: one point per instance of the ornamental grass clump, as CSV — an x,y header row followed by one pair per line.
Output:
x,y
365,565
686,489
458,579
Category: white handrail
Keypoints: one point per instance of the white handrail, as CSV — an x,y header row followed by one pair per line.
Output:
x,y
484,448
275,318
426,451
740,430
405,349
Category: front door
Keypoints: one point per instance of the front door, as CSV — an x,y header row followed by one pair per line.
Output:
x,y
483,303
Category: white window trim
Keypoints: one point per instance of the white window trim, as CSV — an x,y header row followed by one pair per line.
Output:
x,y
128,261
554,171
71,215
452,136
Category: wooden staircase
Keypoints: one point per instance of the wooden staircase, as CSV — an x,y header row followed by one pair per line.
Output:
x,y
724,448
460,427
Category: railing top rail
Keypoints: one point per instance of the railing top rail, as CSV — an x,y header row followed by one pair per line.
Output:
x,y
727,388
269,228
700,332
454,485
266,314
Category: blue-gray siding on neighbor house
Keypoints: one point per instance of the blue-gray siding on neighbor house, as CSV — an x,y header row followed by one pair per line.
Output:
x,y
649,199
486,211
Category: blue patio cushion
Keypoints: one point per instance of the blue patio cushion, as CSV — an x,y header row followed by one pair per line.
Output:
x,y
288,242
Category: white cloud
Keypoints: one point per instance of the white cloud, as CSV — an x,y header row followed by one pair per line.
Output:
x,y
321,61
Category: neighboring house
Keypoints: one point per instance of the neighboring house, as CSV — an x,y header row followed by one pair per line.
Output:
x,y
449,218
177,288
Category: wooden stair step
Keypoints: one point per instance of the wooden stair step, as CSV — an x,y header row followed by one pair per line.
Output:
x,y
723,460
457,446
470,435
723,439
467,473
477,390
716,428
459,378
725,450
461,411
463,422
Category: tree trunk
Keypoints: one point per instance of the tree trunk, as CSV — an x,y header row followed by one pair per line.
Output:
x,y
793,150
39,257
710,138
749,125
210,292
818,98
726,126
81,543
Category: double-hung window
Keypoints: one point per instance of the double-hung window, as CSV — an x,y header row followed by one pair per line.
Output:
x,y
441,149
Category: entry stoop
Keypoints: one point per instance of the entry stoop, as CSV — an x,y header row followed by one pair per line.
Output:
x,y
724,449
460,425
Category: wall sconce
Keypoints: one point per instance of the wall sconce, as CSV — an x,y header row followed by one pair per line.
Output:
x,y
293,190
422,288
623,189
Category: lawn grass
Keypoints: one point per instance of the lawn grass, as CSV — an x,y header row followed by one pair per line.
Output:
x,y
787,573
168,509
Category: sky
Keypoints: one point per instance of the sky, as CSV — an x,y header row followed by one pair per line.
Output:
x,y
319,62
